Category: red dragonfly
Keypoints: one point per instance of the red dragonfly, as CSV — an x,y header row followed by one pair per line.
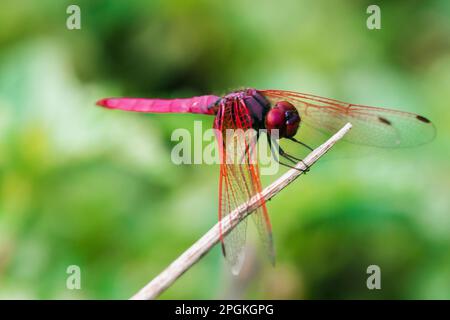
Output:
x,y
285,111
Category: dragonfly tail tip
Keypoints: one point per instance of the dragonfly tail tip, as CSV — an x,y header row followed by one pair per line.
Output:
x,y
102,103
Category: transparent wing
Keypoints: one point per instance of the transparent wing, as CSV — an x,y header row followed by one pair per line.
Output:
x,y
372,126
238,182
231,196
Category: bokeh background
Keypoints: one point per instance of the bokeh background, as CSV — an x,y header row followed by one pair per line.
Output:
x,y
81,185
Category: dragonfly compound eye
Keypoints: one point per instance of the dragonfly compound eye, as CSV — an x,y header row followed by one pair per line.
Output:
x,y
284,117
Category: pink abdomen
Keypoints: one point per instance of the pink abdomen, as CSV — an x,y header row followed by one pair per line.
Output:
x,y
199,104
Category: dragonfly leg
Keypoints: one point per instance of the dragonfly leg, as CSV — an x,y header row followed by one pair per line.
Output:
x,y
292,167
284,155
293,159
301,143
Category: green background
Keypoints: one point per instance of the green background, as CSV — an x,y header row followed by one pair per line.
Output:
x,y
81,185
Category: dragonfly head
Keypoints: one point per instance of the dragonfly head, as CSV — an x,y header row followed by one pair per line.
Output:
x,y
284,117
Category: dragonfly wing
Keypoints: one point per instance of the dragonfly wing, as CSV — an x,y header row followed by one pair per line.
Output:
x,y
372,126
231,196
239,181
262,223
200,104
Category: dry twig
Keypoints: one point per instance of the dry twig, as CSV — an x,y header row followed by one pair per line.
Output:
x,y
187,259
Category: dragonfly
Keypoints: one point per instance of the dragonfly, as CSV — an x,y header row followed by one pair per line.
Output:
x,y
285,111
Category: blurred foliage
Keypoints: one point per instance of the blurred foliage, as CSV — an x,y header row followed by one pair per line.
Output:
x,y
80,185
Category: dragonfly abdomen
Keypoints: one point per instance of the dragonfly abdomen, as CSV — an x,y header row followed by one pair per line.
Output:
x,y
199,104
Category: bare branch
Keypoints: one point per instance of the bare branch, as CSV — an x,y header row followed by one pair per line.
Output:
x,y
187,259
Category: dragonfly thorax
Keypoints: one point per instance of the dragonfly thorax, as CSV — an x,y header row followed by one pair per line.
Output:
x,y
283,116
256,104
